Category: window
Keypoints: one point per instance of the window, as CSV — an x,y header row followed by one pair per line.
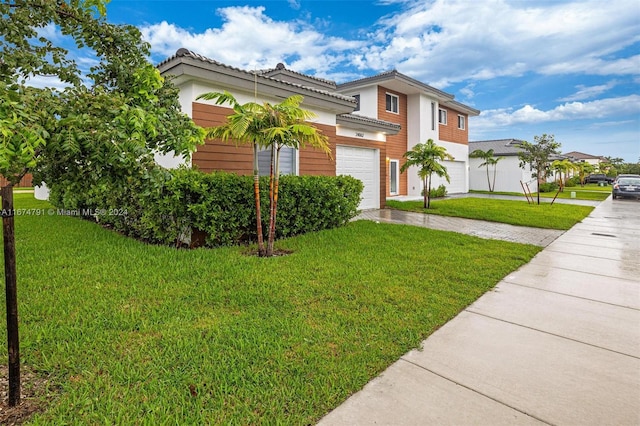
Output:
x,y
393,177
433,115
392,103
442,116
461,122
287,161
357,98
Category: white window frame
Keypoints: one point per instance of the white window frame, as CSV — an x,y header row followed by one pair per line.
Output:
x,y
442,113
462,120
397,103
397,180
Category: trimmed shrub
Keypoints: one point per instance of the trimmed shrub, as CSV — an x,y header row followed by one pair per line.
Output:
x,y
216,209
548,187
438,192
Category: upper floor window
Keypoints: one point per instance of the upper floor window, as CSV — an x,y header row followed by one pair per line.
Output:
x,y
433,115
392,103
461,122
357,98
442,116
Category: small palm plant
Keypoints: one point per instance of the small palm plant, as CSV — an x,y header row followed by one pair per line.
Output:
x,y
426,157
271,127
489,160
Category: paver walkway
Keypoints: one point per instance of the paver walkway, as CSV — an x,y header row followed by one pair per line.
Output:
x,y
555,342
478,228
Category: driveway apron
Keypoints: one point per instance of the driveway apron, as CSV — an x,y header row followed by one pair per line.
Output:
x,y
555,342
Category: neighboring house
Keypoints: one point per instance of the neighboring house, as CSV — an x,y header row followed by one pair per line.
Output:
x,y
423,113
509,174
576,156
370,123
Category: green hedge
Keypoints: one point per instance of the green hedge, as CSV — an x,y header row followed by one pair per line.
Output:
x,y
217,209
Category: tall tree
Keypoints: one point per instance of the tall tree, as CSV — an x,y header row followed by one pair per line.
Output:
x,y
272,127
490,160
538,156
427,156
108,121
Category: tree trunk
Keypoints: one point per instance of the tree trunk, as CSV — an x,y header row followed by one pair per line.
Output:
x,y
256,191
13,340
488,181
494,178
538,182
274,202
429,192
424,192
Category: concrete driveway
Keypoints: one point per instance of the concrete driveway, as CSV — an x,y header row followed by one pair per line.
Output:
x,y
555,342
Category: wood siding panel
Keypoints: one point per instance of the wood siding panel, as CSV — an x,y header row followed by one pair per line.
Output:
x,y
450,131
313,161
216,155
396,144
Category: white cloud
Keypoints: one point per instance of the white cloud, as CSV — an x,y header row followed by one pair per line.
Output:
x,y
586,92
464,40
250,39
598,109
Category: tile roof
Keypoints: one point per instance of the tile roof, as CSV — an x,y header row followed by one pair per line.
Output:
x,y
387,126
182,52
501,147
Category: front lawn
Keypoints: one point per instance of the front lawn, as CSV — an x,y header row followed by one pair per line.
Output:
x,y
545,215
587,193
132,333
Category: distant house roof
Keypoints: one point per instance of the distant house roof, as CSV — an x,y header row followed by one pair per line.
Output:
x,y
501,147
582,156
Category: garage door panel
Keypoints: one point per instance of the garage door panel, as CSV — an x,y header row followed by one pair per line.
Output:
x,y
457,175
362,164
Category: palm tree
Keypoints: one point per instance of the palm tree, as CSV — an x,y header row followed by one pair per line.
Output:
x,y
425,156
271,127
489,160
562,166
584,169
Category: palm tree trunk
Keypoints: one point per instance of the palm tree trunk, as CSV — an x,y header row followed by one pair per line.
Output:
x,y
274,202
256,191
429,193
494,178
424,192
488,181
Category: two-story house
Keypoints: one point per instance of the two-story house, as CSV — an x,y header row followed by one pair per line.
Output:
x,y
370,123
423,112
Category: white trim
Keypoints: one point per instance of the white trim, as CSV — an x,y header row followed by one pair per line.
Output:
x,y
397,98
464,122
440,111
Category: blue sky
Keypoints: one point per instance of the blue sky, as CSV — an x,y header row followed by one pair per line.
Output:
x,y
567,68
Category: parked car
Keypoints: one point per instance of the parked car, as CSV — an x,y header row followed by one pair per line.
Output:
x,y
625,176
598,177
626,187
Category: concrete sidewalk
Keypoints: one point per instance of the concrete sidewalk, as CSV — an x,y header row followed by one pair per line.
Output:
x,y
555,342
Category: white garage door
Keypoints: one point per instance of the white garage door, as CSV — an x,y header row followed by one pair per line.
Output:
x,y
363,164
457,175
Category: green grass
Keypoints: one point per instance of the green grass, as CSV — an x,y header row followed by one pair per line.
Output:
x,y
556,216
580,194
586,193
133,333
